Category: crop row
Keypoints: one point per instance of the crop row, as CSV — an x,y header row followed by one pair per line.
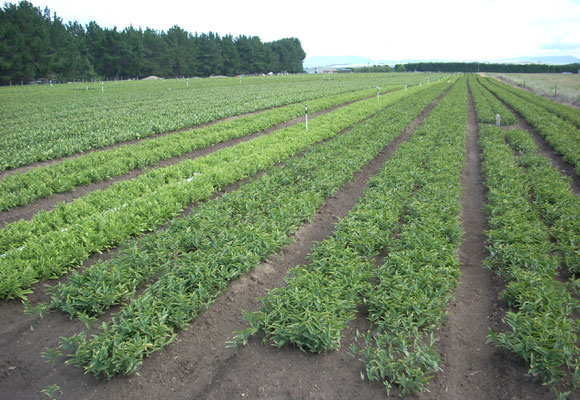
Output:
x,y
55,241
42,123
562,135
22,188
488,106
108,283
196,257
407,295
570,114
557,205
542,329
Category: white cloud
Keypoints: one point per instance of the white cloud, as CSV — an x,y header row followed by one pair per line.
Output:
x,y
449,29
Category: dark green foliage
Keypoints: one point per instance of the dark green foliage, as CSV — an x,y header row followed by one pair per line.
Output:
x,y
490,67
34,45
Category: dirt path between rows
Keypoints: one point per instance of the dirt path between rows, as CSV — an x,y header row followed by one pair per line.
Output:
x,y
198,365
546,150
36,164
28,211
471,368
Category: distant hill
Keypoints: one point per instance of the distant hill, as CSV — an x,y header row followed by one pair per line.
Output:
x,y
552,60
323,61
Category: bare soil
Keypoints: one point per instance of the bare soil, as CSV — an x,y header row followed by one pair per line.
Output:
x,y
28,211
547,151
198,365
33,165
471,368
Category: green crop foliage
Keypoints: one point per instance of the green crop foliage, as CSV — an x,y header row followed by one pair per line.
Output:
x,y
558,206
56,241
421,183
22,188
562,135
542,329
220,241
42,123
408,297
488,106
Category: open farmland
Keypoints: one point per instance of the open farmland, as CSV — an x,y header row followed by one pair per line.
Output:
x,y
563,87
192,239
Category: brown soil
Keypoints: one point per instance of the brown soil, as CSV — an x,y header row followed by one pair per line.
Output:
x,y
471,368
547,151
28,211
198,365
33,165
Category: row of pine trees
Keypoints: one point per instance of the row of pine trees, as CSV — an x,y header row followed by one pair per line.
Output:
x,y
37,45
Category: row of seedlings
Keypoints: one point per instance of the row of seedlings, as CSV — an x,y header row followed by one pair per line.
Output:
x,y
196,257
53,242
562,135
488,106
407,295
22,188
542,328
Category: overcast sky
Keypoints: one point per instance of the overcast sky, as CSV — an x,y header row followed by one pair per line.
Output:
x,y
379,30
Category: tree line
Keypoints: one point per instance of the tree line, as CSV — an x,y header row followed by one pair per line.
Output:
x,y
490,67
471,67
35,45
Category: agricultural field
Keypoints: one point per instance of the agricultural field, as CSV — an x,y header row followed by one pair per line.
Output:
x,y
562,87
202,239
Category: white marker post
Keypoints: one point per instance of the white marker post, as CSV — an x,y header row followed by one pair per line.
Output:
x,y
378,93
306,114
102,87
187,80
497,120
240,79
420,83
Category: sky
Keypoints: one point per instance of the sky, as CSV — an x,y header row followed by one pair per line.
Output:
x,y
451,30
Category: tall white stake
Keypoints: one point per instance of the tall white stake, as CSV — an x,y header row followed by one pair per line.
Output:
x,y
306,114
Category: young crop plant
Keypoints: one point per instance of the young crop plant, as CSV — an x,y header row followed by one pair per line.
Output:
x,y
217,243
562,135
54,242
557,205
421,184
487,106
541,325
40,123
411,289
22,188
